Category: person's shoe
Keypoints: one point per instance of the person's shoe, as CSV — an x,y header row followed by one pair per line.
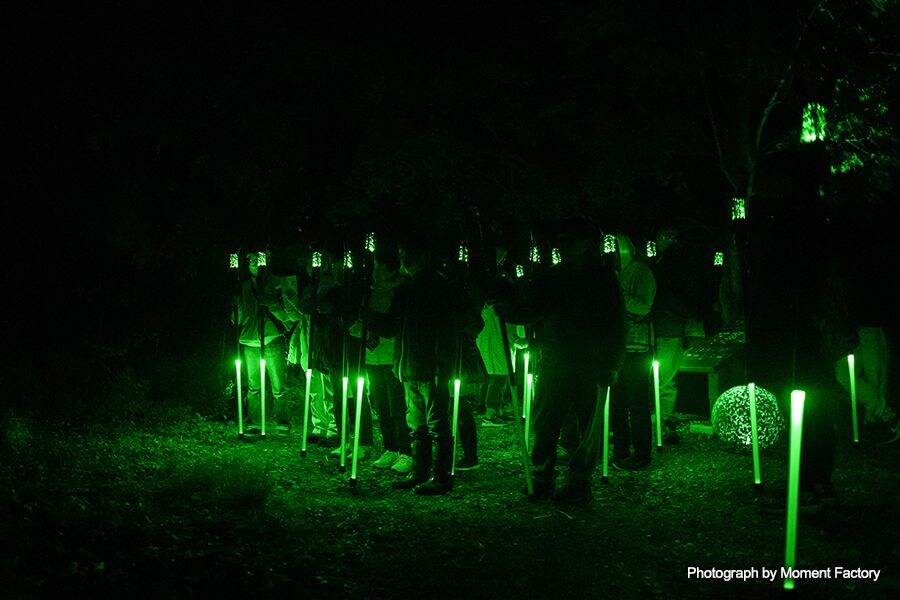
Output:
x,y
631,463
467,464
364,452
408,483
403,464
386,460
669,435
283,428
574,495
434,487
313,438
541,491
494,421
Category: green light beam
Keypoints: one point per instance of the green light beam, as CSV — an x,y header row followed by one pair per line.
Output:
x,y
240,399
605,434
798,397
851,362
656,400
754,433
342,463
306,412
455,424
262,397
360,385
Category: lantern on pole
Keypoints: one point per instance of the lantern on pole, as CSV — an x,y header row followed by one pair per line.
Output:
x,y
520,271
738,209
370,242
609,243
813,123
718,259
463,255
651,249
554,255
316,260
261,258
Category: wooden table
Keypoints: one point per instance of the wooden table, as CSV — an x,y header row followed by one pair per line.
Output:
x,y
720,358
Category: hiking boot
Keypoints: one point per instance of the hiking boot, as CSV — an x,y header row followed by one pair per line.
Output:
x,y
573,494
386,460
403,464
434,487
408,483
467,464
631,463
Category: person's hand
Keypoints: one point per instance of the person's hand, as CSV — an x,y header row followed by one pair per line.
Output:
x,y
520,343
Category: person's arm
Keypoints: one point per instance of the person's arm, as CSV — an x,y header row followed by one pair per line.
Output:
x,y
641,292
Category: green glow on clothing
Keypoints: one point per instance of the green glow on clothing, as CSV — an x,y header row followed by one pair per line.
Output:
x,y
342,465
306,412
233,261
520,271
813,123
798,398
370,242
455,423
240,400
554,254
754,433
262,397
656,400
360,386
463,253
348,259
535,254
738,209
609,243
651,249
316,260
719,259
851,362
261,259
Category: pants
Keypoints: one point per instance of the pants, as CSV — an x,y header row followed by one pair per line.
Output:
x,y
668,352
629,407
427,419
276,405
386,393
870,363
366,436
563,395
494,388
466,430
321,405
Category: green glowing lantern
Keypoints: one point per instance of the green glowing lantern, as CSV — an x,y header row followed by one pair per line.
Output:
x,y
738,209
370,242
651,249
554,254
719,259
463,256
520,271
731,418
798,398
813,123
316,260
261,259
233,261
535,254
348,259
609,243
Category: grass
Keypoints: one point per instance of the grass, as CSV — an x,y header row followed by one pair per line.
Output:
x,y
183,509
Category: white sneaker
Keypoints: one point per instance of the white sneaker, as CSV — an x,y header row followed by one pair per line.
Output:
x,y
386,460
403,465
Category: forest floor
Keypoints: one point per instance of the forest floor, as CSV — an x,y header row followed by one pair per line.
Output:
x,y
179,507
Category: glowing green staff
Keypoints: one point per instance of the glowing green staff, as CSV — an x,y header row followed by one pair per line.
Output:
x,y
240,399
851,362
370,242
525,381
798,397
718,259
261,259
651,249
463,256
306,412
555,257
609,243
514,394
316,260
656,399
605,433
348,259
262,397
456,384
360,385
529,399
520,271
234,263
813,123
343,460
738,209
754,434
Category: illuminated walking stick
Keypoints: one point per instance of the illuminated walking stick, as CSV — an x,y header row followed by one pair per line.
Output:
x,y
233,263
456,384
798,397
316,265
360,388
754,435
529,399
342,463
656,400
261,263
851,362
514,393
605,478
525,395
360,367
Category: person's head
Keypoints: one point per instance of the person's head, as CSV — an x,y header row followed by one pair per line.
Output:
x,y
665,237
577,240
414,254
252,260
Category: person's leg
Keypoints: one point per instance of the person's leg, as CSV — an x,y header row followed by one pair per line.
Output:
x,y
379,395
467,432
275,371
874,355
493,400
551,406
618,415
322,405
587,415
417,423
251,358
668,352
437,403
638,372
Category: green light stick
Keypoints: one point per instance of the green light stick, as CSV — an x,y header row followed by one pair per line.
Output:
x,y
342,463
234,263
754,435
609,243
656,399
798,397
262,396
851,362
306,412
738,209
605,433
240,400
554,255
525,399
719,259
456,384
360,385
529,398
651,249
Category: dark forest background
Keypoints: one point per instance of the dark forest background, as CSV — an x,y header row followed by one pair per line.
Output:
x,y
146,143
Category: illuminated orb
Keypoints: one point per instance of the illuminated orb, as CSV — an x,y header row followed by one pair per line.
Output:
x,y
731,417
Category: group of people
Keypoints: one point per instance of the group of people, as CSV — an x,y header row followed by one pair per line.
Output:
x,y
412,322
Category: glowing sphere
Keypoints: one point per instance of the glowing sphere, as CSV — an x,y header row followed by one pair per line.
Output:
x,y
731,417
